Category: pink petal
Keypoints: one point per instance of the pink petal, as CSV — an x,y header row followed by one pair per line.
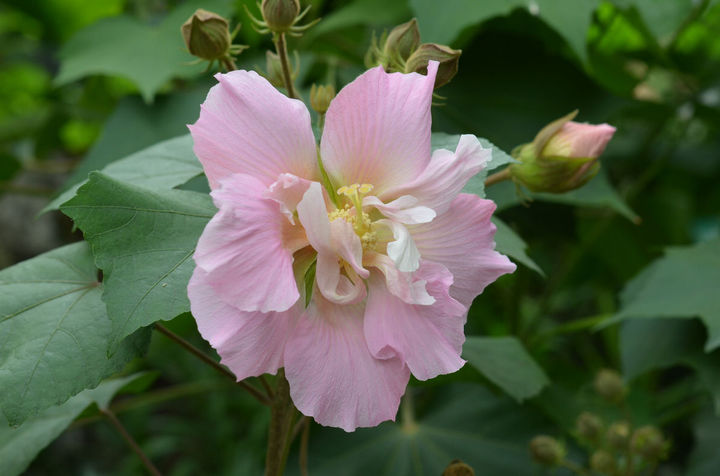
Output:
x,y
428,338
446,174
333,377
402,250
404,209
247,126
579,140
406,286
247,247
377,129
249,343
462,240
288,190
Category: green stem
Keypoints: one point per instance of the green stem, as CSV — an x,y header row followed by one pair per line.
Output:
x,y
131,442
281,416
201,355
304,443
281,49
228,63
498,177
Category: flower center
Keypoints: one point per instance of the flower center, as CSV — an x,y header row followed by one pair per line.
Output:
x,y
353,213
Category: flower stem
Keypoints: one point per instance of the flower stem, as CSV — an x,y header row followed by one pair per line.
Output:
x,y
131,442
200,355
281,49
498,177
281,416
228,63
304,442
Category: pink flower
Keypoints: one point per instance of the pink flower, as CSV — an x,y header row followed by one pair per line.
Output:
x,y
399,253
578,140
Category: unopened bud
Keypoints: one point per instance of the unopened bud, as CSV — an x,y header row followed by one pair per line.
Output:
x,y
320,97
603,462
402,41
589,427
458,468
609,385
547,450
273,69
562,157
648,442
206,35
618,435
280,15
446,56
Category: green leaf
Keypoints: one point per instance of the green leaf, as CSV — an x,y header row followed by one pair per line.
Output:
x,y
661,18
488,433
361,12
596,193
19,446
683,283
476,184
148,55
144,242
162,166
506,363
54,331
705,457
509,243
442,23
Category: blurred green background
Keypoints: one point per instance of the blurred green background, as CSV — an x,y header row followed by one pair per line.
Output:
x,y
84,83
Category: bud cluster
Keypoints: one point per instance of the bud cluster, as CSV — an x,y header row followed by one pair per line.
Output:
x,y
401,51
616,448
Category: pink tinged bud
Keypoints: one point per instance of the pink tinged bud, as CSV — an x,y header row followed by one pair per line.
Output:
x,y
578,140
448,58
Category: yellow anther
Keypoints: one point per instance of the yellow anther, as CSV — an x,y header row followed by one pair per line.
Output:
x,y
365,188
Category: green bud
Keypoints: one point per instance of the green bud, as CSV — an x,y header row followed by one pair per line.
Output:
x,y
610,386
547,450
280,15
603,462
402,41
618,435
206,35
589,427
648,442
320,97
273,69
458,468
446,56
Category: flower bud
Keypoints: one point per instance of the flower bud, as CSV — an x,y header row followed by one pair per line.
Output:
x,y
206,35
589,427
648,442
279,15
610,386
603,462
547,450
458,468
562,157
402,41
320,97
446,56
618,435
273,69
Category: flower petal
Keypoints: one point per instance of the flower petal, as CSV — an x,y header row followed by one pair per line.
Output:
x,y
288,190
402,210
247,126
427,338
333,377
462,240
247,248
406,286
402,251
446,174
377,129
249,343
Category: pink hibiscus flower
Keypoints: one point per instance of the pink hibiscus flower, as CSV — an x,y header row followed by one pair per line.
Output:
x,y
399,253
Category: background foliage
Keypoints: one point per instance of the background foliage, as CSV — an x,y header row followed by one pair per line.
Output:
x,y
622,273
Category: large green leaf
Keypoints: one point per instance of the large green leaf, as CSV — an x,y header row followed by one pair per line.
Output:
x,y
509,243
144,242
506,363
148,55
55,332
361,12
162,166
705,457
596,193
442,22
683,283
19,446
488,433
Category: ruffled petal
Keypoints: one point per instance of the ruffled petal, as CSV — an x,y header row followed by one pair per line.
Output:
x,y
287,190
404,209
247,247
446,174
462,239
249,343
377,129
402,250
247,126
406,286
333,377
427,338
